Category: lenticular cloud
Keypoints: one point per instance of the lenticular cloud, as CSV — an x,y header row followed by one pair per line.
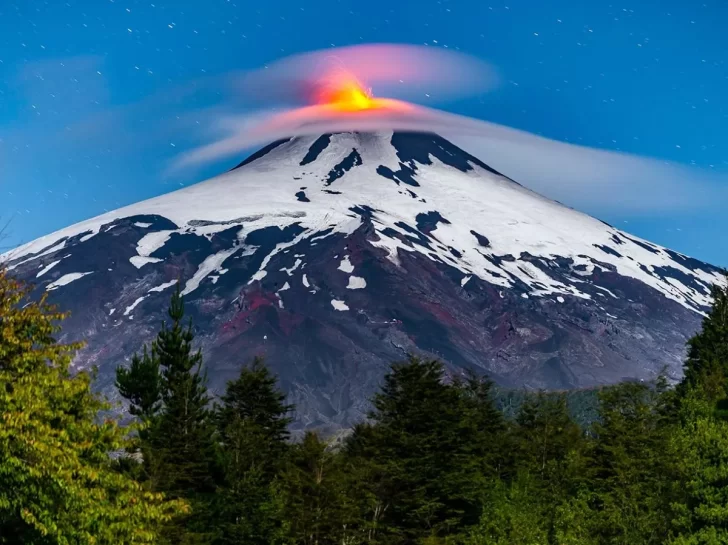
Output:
x,y
397,71
365,88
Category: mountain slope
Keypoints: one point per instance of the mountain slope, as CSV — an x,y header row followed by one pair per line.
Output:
x,y
334,255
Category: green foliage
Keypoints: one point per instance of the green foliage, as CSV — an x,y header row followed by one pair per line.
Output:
x,y
700,450
511,516
427,453
58,483
141,384
183,431
166,387
699,443
708,349
315,503
629,466
440,460
252,432
550,451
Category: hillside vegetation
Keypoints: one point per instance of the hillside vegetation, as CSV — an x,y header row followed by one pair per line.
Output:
x,y
438,461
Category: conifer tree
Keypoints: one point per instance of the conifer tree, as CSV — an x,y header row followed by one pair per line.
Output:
x,y
710,345
315,503
549,451
141,385
252,430
699,443
490,446
700,450
184,434
178,445
424,438
58,481
629,473
368,488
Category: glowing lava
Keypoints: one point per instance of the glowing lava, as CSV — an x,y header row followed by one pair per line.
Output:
x,y
344,93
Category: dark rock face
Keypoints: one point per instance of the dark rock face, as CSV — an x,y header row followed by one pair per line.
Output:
x,y
331,308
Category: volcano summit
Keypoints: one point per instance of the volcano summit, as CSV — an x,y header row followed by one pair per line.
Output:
x,y
334,255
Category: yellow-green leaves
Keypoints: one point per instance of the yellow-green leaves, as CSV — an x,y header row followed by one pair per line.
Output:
x,y
58,483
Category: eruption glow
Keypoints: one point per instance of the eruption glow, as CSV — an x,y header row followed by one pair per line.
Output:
x,y
342,92
346,93
327,92
331,87
399,71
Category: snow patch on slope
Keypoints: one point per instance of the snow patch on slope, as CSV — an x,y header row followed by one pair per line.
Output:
x,y
47,268
162,287
151,242
515,222
66,279
131,307
15,254
211,264
139,261
346,265
356,283
289,272
339,305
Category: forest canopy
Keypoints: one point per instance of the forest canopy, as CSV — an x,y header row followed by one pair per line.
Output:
x,y
443,457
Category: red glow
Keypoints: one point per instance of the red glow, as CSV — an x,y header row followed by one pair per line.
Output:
x,y
345,93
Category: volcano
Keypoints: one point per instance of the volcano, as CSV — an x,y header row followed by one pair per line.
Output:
x,y
333,256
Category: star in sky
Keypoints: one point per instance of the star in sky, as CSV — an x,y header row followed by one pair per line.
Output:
x,y
96,97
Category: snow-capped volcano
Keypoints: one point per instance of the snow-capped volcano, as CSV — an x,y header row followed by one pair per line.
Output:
x,y
335,254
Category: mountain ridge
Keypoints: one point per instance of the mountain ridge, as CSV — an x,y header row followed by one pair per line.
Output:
x,y
373,246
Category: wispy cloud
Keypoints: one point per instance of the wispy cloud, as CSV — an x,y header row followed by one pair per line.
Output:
x,y
221,116
580,176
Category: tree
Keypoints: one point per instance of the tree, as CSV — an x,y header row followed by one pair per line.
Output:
x,y
178,444
58,482
708,349
700,450
549,451
315,502
630,469
141,384
252,431
425,436
489,447
512,515
368,486
184,431
699,443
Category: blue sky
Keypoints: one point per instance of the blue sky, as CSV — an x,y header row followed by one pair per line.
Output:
x,y
98,96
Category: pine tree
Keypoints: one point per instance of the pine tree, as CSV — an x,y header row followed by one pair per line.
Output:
x,y
255,400
423,436
699,443
58,482
177,444
630,468
141,384
708,349
700,450
549,451
315,501
252,430
184,434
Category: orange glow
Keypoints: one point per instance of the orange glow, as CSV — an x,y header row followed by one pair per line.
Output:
x,y
346,94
